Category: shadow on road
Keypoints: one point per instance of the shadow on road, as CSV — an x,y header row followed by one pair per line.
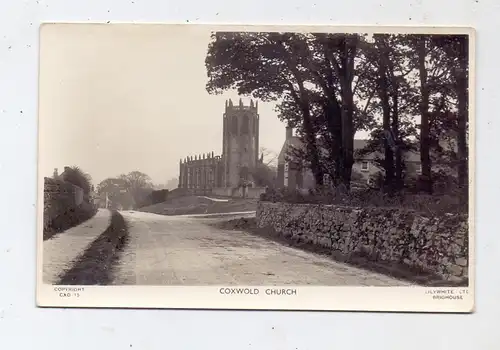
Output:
x,y
95,265
392,269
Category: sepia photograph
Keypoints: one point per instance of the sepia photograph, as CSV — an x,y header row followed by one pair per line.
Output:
x,y
256,167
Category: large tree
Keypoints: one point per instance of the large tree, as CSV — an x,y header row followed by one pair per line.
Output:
x,y
267,66
329,86
112,185
313,78
455,49
139,185
127,189
392,133
76,176
441,62
117,191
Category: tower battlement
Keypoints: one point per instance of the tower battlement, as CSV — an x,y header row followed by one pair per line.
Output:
x,y
240,152
240,142
230,106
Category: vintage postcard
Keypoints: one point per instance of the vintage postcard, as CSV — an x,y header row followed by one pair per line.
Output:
x,y
256,167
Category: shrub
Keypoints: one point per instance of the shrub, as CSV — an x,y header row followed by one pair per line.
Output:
x,y
159,196
444,182
78,177
284,195
376,181
263,175
431,204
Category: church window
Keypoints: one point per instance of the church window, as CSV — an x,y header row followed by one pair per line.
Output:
x,y
245,127
244,173
234,125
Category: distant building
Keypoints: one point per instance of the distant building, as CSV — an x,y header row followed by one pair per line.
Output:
x,y
240,153
172,183
291,175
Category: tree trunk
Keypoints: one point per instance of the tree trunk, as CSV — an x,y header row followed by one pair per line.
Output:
x,y
347,136
347,111
333,115
383,92
398,176
311,146
398,161
310,135
426,179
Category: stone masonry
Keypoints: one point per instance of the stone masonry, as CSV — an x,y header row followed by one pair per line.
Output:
x,y
240,153
437,245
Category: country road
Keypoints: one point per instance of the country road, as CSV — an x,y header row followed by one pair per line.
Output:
x,y
169,250
183,250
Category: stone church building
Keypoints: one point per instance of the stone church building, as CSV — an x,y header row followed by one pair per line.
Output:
x,y
224,174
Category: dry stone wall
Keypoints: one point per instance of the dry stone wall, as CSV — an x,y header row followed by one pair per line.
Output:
x,y
438,245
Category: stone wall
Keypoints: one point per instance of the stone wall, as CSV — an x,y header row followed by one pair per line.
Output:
x,y
254,192
437,245
59,197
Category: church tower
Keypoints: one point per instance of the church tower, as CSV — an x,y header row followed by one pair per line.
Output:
x,y
240,142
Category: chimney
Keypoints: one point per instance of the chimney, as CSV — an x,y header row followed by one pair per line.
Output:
x,y
289,132
56,173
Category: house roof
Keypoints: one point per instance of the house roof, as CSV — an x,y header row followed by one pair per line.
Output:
x,y
294,142
358,144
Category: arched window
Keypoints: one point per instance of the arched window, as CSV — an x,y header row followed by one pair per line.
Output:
x,y
244,173
234,125
245,127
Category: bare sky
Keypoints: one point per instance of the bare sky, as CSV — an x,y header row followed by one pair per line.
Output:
x,y
118,98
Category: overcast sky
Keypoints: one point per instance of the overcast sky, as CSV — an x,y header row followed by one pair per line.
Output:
x,y
114,99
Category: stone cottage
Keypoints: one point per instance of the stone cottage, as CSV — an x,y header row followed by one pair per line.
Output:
x,y
291,176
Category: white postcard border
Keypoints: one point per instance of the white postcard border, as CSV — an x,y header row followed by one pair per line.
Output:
x,y
397,299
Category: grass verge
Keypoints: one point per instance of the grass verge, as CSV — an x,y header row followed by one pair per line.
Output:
x,y
95,266
196,205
